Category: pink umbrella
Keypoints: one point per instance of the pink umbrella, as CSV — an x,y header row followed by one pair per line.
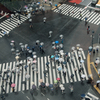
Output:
x,y
12,41
13,85
45,0
58,79
34,61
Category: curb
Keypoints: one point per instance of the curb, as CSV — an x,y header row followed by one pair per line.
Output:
x,y
90,73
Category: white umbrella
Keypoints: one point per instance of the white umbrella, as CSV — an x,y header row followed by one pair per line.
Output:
x,y
83,76
50,32
27,76
30,51
94,48
61,36
11,43
73,48
17,57
61,51
57,46
80,49
47,84
34,53
78,45
37,41
53,42
53,47
32,83
22,46
62,88
61,59
41,43
17,54
90,47
61,45
26,45
34,56
12,49
61,85
97,61
28,57
17,50
20,43
98,81
98,58
97,47
82,61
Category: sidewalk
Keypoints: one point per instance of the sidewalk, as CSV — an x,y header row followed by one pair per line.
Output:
x,y
92,70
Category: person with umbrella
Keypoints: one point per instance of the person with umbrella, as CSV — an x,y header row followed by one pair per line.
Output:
x,y
13,85
72,76
33,87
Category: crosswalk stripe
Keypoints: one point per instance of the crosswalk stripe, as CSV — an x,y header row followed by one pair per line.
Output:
x,y
93,96
42,68
54,74
51,82
27,79
75,13
83,54
16,80
88,97
38,70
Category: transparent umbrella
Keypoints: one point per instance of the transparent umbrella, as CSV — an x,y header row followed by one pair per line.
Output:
x,y
37,41
34,56
12,49
50,32
61,45
11,43
20,43
73,48
41,43
78,45
34,53
61,36
22,46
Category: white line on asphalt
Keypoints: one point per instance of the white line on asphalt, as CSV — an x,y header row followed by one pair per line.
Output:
x,y
27,97
42,94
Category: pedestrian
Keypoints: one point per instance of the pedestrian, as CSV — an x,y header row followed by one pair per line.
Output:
x,y
18,23
75,69
97,49
93,51
64,73
30,21
88,29
44,19
42,51
13,89
85,20
2,96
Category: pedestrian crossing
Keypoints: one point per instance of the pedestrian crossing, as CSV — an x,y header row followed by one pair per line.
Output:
x,y
36,72
90,96
9,24
73,11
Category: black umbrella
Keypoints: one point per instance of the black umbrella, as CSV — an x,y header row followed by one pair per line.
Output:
x,y
72,75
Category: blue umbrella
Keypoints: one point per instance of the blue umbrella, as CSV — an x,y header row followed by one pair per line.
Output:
x,y
56,58
56,42
39,2
59,68
4,32
47,63
52,56
51,85
26,66
82,95
55,4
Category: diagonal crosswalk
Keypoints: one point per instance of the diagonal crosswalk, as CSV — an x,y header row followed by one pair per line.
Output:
x,y
74,11
8,26
38,72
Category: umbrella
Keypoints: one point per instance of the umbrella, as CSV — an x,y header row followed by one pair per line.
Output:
x,y
13,85
78,45
34,61
34,56
61,51
50,32
20,43
83,76
40,80
82,95
98,58
56,42
22,46
98,81
61,45
60,59
26,45
97,61
17,54
37,41
30,51
17,50
12,41
58,79
57,46
62,88
42,84
52,56
55,4
61,36
41,43
73,48
32,83
56,58
53,43
27,76
80,49
51,85
59,68
12,49
61,85
94,48
97,46
33,87
55,85
47,84
17,57
90,47
82,61
72,75
34,53
55,81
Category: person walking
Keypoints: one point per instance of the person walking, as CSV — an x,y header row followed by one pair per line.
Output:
x,y
88,29
44,19
18,23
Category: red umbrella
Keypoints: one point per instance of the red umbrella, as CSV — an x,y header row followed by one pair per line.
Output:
x,y
13,85
58,79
